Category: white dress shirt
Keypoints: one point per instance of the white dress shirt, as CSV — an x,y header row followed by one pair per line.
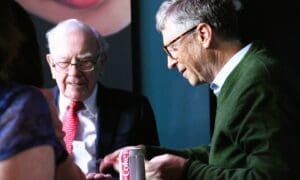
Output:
x,y
84,149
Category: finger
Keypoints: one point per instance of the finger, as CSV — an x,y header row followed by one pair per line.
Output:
x,y
103,176
116,166
152,176
109,161
147,166
100,176
90,176
105,165
107,175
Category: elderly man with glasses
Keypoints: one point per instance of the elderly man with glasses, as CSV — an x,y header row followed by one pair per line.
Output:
x,y
96,119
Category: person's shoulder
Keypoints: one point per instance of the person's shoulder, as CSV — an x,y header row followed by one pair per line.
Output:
x,y
54,90
260,59
13,89
21,97
263,51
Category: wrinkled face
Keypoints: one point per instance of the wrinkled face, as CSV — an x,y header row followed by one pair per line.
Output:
x,y
74,47
186,52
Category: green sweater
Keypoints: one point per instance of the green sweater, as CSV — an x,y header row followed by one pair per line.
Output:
x,y
250,138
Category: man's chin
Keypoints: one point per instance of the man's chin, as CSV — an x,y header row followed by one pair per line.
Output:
x,y
195,82
76,93
75,97
75,87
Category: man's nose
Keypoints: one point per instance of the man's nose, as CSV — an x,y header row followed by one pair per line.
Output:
x,y
171,63
73,69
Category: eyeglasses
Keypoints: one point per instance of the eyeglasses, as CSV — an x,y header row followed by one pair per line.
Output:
x,y
83,64
168,47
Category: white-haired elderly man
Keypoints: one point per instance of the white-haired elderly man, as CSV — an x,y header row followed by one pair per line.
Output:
x,y
105,119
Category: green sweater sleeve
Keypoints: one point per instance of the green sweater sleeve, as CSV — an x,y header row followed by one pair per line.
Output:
x,y
199,152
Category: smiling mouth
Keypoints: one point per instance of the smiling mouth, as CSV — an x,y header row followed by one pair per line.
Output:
x,y
181,71
75,84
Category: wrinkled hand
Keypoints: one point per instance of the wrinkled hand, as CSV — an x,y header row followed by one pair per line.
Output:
x,y
110,160
98,176
166,167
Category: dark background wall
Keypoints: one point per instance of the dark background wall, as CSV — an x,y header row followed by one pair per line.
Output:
x,y
277,24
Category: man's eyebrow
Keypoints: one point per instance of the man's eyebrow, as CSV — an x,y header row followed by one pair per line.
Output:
x,y
86,55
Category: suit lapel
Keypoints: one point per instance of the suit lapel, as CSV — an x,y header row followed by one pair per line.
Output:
x,y
106,122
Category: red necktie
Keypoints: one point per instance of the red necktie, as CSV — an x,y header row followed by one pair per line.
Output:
x,y
70,123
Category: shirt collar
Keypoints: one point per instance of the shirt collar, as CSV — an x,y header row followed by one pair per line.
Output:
x,y
90,102
219,80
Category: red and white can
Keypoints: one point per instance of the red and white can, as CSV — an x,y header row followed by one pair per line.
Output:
x,y
131,162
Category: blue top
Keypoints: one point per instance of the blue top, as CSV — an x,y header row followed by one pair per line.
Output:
x,y
25,121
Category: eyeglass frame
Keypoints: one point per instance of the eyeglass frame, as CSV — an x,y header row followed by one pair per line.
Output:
x,y
165,47
77,64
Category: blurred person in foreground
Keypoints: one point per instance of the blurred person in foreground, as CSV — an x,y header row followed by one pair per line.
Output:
x,y
31,137
254,134
108,118
29,148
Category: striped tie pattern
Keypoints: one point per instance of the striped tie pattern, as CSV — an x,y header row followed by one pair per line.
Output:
x,y
71,123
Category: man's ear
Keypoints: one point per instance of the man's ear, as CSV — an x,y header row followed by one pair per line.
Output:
x,y
204,34
50,63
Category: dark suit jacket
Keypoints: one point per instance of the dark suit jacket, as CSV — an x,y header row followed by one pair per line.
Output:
x,y
125,119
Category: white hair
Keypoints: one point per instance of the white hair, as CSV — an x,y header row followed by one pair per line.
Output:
x,y
221,15
64,27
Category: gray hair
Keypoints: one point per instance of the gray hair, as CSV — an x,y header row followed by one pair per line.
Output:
x,y
221,15
73,24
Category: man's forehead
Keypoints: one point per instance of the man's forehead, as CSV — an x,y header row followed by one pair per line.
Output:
x,y
80,49
79,55
171,31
